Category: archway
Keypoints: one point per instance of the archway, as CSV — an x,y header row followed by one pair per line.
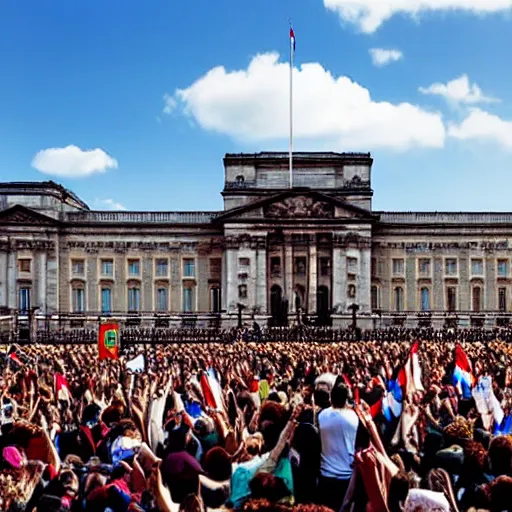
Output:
x,y
323,305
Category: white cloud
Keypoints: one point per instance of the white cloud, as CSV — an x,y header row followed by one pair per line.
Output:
x,y
169,104
73,162
369,15
108,204
251,105
459,90
483,126
382,57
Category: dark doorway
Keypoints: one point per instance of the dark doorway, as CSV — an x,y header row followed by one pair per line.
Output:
x,y
323,306
278,307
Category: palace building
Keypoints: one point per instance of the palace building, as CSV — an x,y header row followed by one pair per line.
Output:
x,y
317,248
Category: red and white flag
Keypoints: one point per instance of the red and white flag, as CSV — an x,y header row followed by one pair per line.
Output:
x,y
62,388
410,376
292,38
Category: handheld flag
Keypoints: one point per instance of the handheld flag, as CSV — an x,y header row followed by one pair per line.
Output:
x,y
62,388
413,371
108,341
463,378
137,364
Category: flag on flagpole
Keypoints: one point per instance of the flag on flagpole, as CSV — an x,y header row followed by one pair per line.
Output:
x,y
108,341
292,38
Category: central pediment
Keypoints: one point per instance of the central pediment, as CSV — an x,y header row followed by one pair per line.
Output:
x,y
300,207
297,204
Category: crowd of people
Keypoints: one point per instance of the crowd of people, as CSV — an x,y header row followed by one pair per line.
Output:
x,y
384,425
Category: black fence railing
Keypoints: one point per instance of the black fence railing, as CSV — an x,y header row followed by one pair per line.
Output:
x,y
301,333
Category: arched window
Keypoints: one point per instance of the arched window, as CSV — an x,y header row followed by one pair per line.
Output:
x,y
134,305
425,299
399,298
477,299
78,298
240,179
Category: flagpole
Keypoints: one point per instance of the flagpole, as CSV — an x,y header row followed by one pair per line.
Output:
x,y
292,42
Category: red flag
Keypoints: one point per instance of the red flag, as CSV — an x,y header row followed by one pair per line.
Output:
x,y
108,341
14,357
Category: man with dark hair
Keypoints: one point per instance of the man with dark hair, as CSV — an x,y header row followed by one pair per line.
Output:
x,y
338,427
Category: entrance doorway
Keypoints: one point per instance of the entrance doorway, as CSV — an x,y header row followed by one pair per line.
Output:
x,y
278,307
323,306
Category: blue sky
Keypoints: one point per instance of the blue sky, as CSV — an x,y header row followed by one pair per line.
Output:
x,y
121,102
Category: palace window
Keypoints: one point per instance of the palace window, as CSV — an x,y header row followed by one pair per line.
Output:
x,y
399,298
398,267
188,299
352,265
300,266
242,291
477,267
24,299
375,297
162,298
325,267
502,299
450,266
451,298
107,267
106,300
503,269
424,266
351,291
133,299
162,267
78,299
133,268
215,304
477,299
189,267
275,266
24,264
78,267
425,299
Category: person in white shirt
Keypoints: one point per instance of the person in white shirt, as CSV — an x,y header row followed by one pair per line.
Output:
x,y
338,427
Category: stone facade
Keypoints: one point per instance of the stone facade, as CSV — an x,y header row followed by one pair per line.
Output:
x,y
317,248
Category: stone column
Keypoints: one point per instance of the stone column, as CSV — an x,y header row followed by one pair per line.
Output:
x,y
3,280
288,264
312,287
339,273
261,282
231,279
40,278
12,302
224,282
364,285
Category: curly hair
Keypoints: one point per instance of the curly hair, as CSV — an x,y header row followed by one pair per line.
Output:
x,y
17,487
